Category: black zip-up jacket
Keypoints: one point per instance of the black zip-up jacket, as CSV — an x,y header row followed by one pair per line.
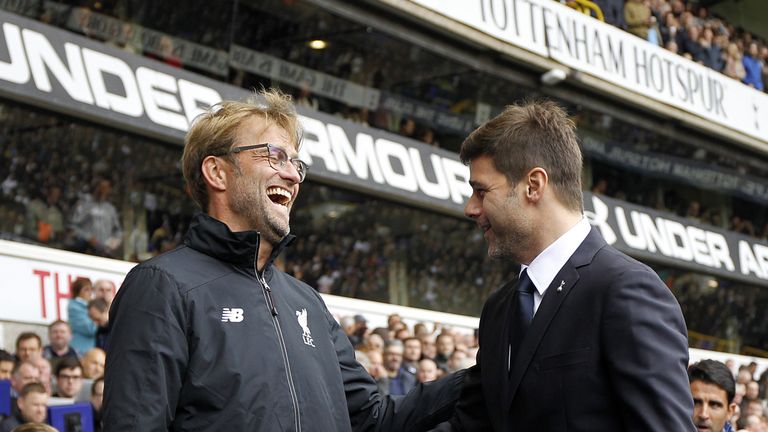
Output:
x,y
201,342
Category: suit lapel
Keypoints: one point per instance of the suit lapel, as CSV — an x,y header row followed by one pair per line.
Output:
x,y
550,304
553,298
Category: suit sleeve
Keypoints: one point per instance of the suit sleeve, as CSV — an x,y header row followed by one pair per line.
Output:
x,y
646,351
470,412
147,354
422,408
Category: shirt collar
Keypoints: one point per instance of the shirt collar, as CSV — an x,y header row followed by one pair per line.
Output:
x,y
548,263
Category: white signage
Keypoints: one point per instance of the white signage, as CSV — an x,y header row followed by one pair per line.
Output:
x,y
553,30
36,280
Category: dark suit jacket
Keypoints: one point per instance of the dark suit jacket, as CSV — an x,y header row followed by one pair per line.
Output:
x,y
606,352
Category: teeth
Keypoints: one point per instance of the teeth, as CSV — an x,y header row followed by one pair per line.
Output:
x,y
281,192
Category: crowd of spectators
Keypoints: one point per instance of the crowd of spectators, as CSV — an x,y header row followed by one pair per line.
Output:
x,y
692,31
79,187
375,250
398,356
63,371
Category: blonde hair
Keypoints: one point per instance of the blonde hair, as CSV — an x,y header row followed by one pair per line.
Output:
x,y
214,133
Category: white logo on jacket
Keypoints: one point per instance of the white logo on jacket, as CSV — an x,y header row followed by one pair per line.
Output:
x,y
302,318
232,315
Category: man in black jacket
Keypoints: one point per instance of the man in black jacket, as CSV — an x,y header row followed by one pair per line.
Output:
x,y
212,336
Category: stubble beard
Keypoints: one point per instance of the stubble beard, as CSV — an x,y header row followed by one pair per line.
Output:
x,y
255,206
511,238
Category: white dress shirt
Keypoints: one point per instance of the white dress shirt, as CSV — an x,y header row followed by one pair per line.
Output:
x,y
548,263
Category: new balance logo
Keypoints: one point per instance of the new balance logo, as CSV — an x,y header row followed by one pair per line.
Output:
x,y
231,315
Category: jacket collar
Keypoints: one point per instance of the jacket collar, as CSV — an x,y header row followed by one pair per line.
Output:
x,y
214,238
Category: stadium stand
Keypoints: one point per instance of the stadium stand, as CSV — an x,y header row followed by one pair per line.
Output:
x,y
394,76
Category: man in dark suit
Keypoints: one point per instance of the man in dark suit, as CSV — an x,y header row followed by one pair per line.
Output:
x,y
587,339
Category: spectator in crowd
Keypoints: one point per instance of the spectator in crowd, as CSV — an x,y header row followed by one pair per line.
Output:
x,y
98,312
44,366
93,368
613,11
104,289
45,222
427,370
31,405
59,337
734,67
28,346
393,320
240,164
375,367
374,342
690,45
96,223
446,344
754,423
411,354
93,363
407,127
428,346
456,361
639,18
69,378
402,333
23,374
7,360
709,54
753,67
359,332
83,329
400,380
97,398
713,389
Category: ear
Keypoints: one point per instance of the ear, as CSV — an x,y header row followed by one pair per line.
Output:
x,y
214,174
537,181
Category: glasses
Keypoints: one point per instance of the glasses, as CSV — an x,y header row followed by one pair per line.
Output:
x,y
278,158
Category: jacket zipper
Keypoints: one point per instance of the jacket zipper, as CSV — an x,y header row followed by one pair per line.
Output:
x,y
273,311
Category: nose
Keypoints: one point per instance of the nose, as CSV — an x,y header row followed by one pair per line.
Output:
x,y
704,413
289,172
472,208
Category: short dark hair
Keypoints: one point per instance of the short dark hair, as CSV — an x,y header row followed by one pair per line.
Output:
x,y
68,363
5,356
713,372
28,335
33,387
99,304
525,136
79,284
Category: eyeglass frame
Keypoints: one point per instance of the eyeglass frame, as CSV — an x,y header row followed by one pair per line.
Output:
x,y
300,166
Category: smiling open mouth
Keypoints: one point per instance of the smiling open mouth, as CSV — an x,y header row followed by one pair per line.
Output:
x,y
279,195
